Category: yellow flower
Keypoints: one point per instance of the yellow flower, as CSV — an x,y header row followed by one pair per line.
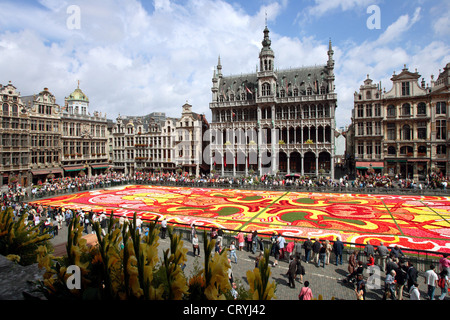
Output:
x,y
13,257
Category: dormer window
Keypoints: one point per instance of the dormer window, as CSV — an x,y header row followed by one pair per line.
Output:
x,y
405,89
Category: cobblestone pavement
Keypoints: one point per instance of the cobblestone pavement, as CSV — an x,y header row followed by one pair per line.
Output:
x,y
324,281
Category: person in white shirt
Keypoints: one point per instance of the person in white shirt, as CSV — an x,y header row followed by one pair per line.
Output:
x,y
431,279
414,293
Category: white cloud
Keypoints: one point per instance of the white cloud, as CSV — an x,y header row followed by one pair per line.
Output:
x,y
321,7
135,61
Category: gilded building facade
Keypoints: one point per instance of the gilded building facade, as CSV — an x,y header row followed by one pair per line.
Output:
x,y
274,121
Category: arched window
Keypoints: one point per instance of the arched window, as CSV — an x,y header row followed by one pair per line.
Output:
x,y
406,109
391,111
5,109
422,108
391,150
266,89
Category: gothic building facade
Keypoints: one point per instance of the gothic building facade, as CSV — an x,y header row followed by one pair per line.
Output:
x,y
274,121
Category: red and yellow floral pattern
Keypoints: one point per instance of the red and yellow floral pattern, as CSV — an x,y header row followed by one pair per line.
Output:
x,y
417,222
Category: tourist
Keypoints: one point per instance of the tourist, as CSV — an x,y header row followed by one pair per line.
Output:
x,y
382,254
443,283
315,249
322,255
240,239
338,249
305,292
329,249
307,246
281,246
292,270
414,293
233,252
195,246
389,286
444,263
163,228
431,280
397,252
411,275
369,249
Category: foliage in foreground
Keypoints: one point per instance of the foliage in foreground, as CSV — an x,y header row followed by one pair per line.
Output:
x,y
124,265
20,238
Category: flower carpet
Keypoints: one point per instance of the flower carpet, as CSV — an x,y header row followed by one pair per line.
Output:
x,y
416,222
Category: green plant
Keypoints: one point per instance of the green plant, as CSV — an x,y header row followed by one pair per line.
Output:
x,y
125,265
19,239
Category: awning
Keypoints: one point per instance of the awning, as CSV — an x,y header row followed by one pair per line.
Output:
x,y
100,166
74,168
418,160
46,171
367,165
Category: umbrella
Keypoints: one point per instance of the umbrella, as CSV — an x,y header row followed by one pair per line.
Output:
x,y
293,175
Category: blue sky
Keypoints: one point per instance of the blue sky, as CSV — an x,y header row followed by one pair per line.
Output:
x,y
135,57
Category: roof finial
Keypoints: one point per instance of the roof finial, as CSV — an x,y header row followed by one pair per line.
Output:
x,y
266,18
78,87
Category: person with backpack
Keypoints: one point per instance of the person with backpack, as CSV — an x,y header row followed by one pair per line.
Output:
x,y
307,246
400,280
443,283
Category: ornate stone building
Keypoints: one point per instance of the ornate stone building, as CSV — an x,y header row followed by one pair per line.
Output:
x,y
143,143
191,142
14,135
45,135
84,140
274,121
403,131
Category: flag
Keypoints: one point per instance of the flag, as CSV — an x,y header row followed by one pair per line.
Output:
x,y
248,90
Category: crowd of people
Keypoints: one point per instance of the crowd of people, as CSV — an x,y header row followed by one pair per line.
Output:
x,y
53,186
401,276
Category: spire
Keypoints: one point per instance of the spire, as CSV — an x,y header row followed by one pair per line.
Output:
x,y
219,68
330,55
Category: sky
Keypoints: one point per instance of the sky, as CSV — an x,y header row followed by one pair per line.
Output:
x,y
136,57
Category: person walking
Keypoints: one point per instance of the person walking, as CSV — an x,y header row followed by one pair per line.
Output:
x,y
163,228
411,275
305,292
240,240
382,253
443,283
233,251
195,246
329,249
315,249
300,269
431,280
322,255
338,249
292,270
307,246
